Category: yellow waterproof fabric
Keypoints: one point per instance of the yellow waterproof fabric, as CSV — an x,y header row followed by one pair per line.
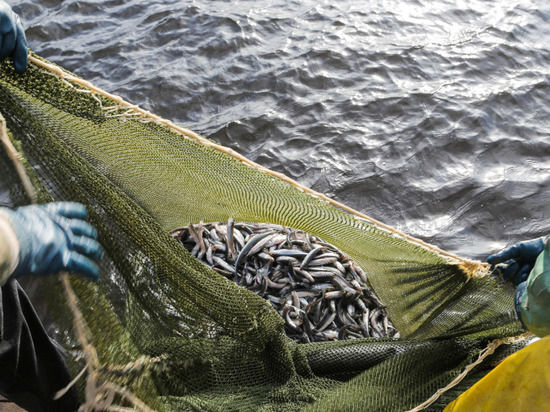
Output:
x,y
520,383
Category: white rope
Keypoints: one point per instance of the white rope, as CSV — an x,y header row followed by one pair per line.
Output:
x,y
489,350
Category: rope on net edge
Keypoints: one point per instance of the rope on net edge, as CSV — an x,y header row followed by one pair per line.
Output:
x,y
471,268
15,158
484,353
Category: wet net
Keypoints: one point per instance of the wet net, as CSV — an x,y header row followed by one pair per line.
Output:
x,y
161,331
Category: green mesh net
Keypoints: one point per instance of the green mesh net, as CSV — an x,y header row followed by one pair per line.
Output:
x,y
172,334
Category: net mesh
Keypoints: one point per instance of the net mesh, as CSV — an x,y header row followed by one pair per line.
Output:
x,y
178,336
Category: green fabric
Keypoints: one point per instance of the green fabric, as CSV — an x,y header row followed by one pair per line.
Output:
x,y
209,344
535,303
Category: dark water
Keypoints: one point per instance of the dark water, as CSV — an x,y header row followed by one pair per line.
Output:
x,y
429,116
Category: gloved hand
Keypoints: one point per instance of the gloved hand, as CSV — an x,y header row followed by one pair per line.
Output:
x,y
55,237
13,42
515,263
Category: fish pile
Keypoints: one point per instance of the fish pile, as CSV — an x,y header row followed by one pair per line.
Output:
x,y
319,291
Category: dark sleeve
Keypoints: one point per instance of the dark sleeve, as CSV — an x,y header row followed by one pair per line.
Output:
x,y
534,302
32,368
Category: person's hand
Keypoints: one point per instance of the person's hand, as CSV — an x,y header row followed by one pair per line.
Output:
x,y
13,42
515,263
55,237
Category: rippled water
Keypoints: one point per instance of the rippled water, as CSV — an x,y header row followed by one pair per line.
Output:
x,y
427,115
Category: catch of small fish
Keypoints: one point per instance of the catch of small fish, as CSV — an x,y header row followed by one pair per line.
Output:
x,y
319,291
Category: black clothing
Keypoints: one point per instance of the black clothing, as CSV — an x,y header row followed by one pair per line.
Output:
x,y
32,368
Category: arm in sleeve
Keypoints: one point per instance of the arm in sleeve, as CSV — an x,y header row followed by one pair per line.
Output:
x,y
534,296
9,249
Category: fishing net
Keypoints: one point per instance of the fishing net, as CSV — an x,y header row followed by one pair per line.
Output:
x,y
162,331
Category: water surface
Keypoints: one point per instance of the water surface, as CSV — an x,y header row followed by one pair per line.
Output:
x,y
429,116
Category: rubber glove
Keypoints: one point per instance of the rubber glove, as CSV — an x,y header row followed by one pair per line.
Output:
x,y
515,263
55,237
13,42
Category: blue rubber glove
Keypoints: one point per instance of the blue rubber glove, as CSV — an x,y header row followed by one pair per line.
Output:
x,y
13,42
515,263
55,237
